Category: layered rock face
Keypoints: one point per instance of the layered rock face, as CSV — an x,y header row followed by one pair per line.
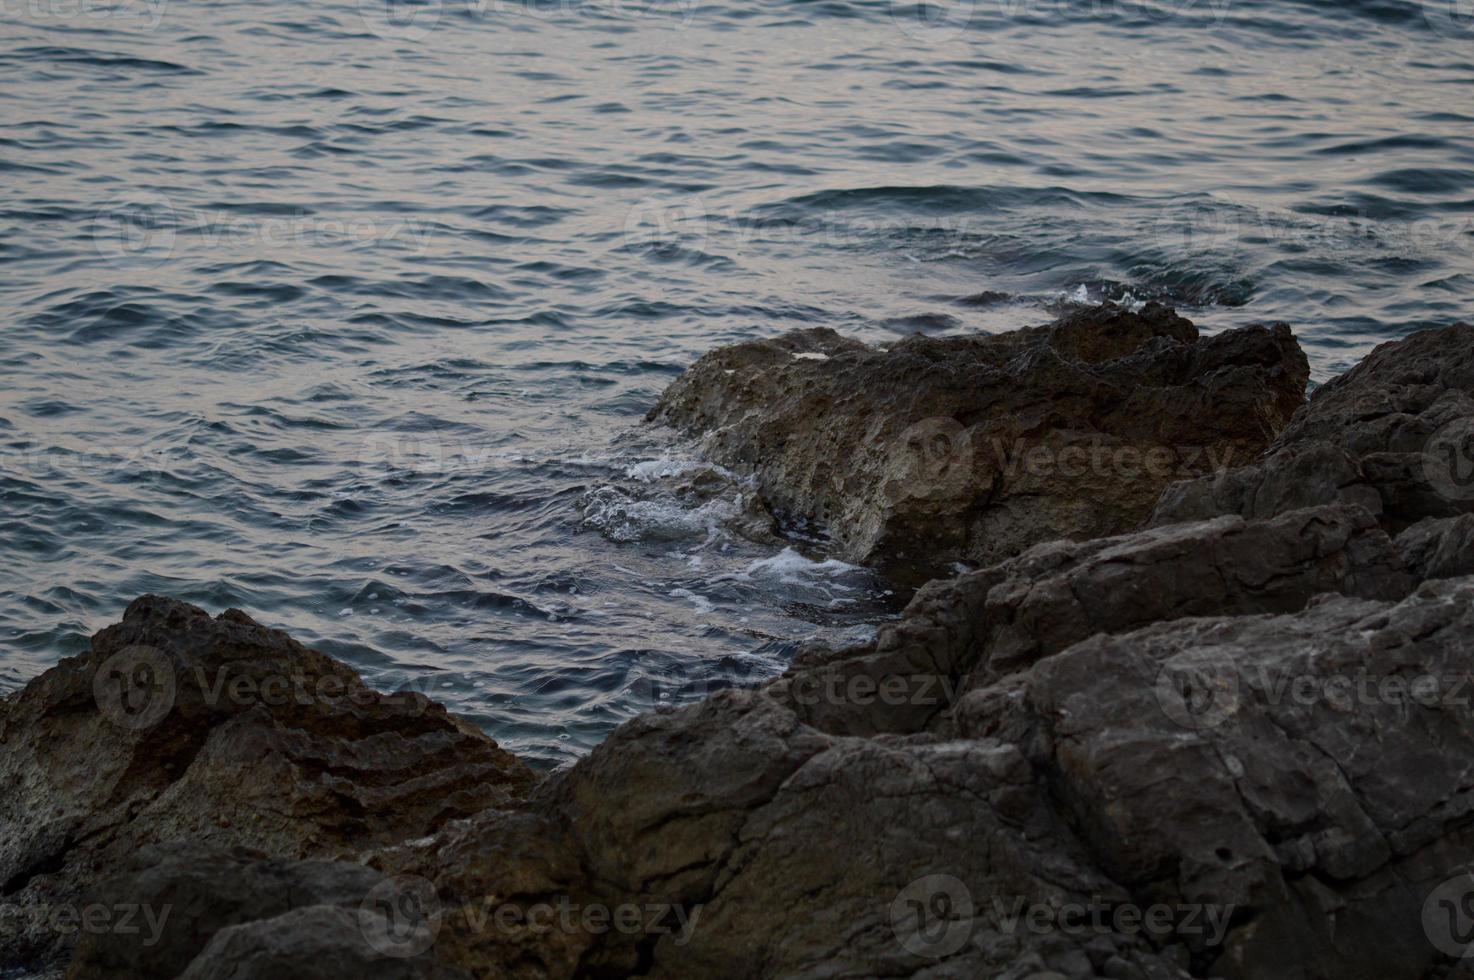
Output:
x,y
178,727
1239,747
1395,435
935,450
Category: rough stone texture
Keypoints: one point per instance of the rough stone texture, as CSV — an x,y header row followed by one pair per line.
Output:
x,y
1439,548
1326,814
242,756
1395,434
974,448
970,630
196,891
1286,835
490,872
315,943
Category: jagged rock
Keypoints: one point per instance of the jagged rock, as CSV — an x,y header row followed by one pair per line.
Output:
x,y
1315,770
1439,548
1395,435
177,727
974,448
511,888
1281,834
819,863
970,630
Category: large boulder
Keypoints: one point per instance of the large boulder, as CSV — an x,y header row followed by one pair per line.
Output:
x,y
973,448
1394,435
1314,771
175,726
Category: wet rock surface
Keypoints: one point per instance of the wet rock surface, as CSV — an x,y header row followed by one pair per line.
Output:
x,y
1239,746
973,448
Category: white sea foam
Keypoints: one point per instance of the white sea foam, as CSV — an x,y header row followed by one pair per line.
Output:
x,y
792,568
624,518
701,602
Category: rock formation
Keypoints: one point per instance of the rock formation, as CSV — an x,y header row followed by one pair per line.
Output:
x,y
178,727
1235,746
939,449
1395,434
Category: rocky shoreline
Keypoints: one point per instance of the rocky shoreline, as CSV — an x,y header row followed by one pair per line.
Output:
x,y
1205,710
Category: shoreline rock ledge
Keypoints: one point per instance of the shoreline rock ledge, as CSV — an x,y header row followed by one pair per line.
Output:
x,y
935,450
1238,744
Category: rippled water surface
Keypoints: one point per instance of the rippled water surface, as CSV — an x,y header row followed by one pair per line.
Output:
x,y
347,314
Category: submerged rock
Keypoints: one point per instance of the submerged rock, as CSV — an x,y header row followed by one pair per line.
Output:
x,y
973,448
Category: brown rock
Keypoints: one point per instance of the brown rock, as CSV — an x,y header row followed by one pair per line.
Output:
x,y
973,448
178,727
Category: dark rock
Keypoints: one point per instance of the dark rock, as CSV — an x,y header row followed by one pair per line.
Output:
x,y
193,891
1439,548
318,942
1181,767
178,727
1318,773
512,889
974,448
973,629
1395,435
